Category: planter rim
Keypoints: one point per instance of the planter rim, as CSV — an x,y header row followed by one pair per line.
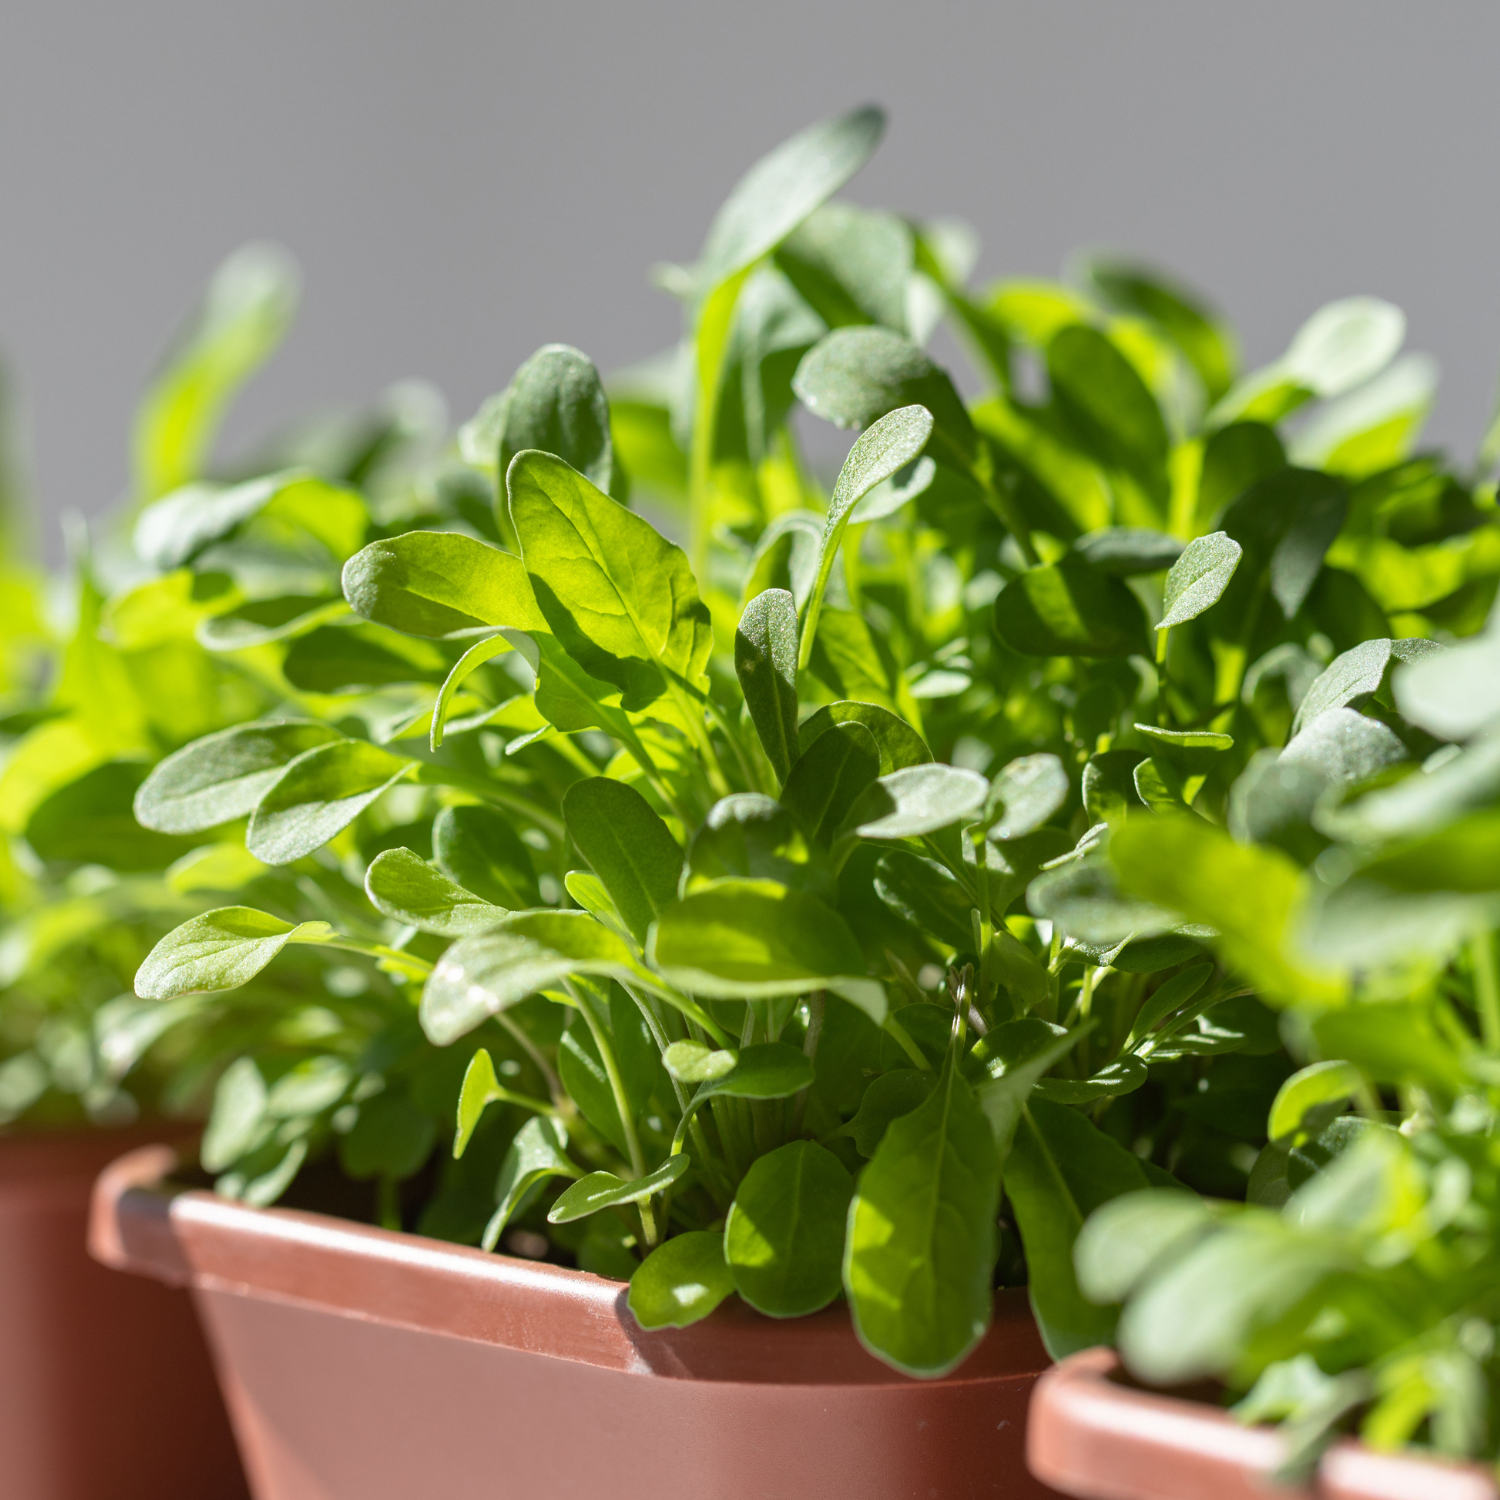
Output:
x,y
141,1223
1092,1436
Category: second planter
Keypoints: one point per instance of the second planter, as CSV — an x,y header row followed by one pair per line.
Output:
x,y
359,1362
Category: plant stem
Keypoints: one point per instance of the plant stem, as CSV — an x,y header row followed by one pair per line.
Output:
x,y
816,1005
1486,987
538,1059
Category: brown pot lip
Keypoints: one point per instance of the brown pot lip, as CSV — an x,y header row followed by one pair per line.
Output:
x,y
141,1223
1092,1435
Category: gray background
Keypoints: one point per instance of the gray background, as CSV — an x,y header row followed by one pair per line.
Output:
x,y
464,181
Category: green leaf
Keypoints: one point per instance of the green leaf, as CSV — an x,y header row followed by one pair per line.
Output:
x,y
1357,674
609,584
355,656
694,1062
90,820
432,583
1199,577
1306,1102
628,847
1123,1076
219,950
898,743
1373,427
888,1098
684,1279
751,939
1062,1167
1234,458
887,446
1344,344
189,520
920,1248
1249,895
854,376
829,778
768,1070
928,895
538,1151
557,404
1171,995
403,886
1016,1054
1204,340
222,776
1024,794
783,188
391,1137
784,1237
765,661
243,316
750,835
479,1090
1128,550
476,847
851,265
318,795
487,973
1130,1237
604,1190
469,663
1455,694
1070,609
918,800
1101,391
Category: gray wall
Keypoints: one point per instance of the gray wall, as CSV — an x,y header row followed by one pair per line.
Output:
x,y
464,181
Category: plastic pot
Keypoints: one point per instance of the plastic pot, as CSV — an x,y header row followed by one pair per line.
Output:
x,y
360,1364
106,1389
1094,1436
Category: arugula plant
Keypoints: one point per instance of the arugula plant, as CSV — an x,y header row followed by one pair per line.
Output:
x,y
1357,1285
741,917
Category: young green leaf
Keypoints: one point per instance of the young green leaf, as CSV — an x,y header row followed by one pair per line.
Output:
x,y
557,404
487,973
783,188
765,661
1061,1167
244,315
1357,674
887,1099
433,583
896,741
221,950
477,848
1016,1055
885,447
694,1062
750,836
854,376
767,1070
1313,1095
829,778
1128,1238
628,846
1099,389
751,939
318,795
1127,551
1456,694
1024,794
916,801
538,1151
403,886
683,1280
784,1237
604,1190
610,585
920,1245
1070,609
1199,577
222,776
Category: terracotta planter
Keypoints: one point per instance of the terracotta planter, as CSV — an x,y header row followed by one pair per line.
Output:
x,y
106,1389
1094,1436
360,1364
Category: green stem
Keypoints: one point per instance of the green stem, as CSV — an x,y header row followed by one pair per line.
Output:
x,y
903,1039
816,1005
538,1058
388,1202
1486,987
605,1045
